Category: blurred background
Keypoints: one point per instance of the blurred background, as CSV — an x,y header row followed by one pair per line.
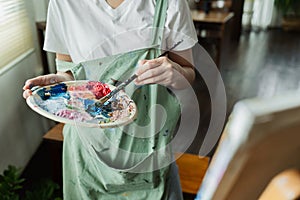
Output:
x,y
254,43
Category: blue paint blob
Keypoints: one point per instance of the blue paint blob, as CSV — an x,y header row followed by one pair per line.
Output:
x,y
66,96
41,93
94,111
87,103
58,90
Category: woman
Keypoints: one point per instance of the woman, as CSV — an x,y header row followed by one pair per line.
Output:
x,y
104,40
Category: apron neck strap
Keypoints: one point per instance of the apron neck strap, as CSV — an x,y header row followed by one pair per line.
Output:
x,y
159,21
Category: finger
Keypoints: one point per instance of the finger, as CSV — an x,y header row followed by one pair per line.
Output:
x,y
34,82
148,64
151,73
41,81
27,93
141,63
161,79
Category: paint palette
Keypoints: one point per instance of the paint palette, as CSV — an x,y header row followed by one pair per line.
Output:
x,y
73,102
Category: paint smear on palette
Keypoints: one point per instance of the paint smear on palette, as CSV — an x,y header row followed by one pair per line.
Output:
x,y
77,102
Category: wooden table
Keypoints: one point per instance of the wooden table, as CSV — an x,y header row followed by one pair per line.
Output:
x,y
212,26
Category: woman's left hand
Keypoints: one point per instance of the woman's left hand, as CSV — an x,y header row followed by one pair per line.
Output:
x,y
161,71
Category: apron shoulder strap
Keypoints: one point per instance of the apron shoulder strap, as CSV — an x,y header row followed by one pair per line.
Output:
x,y
159,21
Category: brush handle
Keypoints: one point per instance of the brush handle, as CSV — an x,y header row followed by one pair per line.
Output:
x,y
116,90
173,47
122,85
129,80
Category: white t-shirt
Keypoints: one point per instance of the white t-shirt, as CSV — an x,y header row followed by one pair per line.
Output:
x,y
91,29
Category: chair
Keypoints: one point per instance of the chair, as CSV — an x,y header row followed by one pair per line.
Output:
x,y
212,18
192,169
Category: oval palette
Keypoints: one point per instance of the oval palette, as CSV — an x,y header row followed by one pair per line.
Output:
x,y
73,102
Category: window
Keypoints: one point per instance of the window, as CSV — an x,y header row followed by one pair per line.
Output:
x,y
15,32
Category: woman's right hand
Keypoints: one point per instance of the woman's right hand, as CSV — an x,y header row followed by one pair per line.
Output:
x,y
45,80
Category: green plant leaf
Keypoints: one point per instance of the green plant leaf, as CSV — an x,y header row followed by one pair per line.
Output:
x,y
44,190
10,183
288,7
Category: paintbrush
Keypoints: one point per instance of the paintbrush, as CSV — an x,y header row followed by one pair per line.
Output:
x,y
120,87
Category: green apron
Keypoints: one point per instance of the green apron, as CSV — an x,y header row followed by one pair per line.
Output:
x,y
129,162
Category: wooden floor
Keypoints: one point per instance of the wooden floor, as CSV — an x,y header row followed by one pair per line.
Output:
x,y
263,64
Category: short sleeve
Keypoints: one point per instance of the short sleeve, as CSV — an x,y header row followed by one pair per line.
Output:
x,y
179,26
54,36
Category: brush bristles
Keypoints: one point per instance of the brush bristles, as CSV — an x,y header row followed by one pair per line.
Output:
x,y
101,101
